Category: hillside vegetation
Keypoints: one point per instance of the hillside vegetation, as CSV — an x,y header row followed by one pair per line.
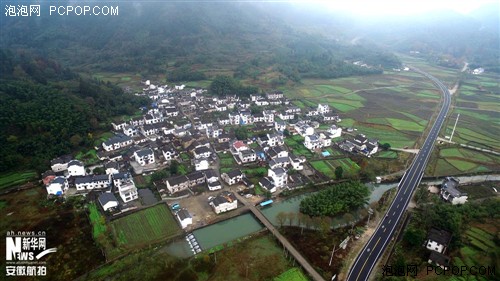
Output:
x,y
190,41
47,110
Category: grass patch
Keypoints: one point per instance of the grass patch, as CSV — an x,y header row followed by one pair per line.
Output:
x,y
462,165
323,167
387,154
16,178
145,227
295,143
404,125
97,220
293,274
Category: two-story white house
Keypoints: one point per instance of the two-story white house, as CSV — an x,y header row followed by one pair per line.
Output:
x,y
125,186
232,177
57,186
279,177
144,156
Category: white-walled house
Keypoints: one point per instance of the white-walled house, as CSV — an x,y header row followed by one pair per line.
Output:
x,y
247,156
57,186
125,186
267,184
232,177
279,176
92,182
438,240
107,201
184,218
224,202
176,184
130,131
144,156
112,167
312,142
60,164
335,131
451,193
117,142
323,108
76,168
201,164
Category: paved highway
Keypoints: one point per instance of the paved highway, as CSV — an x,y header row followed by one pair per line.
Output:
x,y
367,259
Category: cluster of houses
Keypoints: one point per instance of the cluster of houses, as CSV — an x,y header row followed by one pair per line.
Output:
x,y
360,144
191,127
68,173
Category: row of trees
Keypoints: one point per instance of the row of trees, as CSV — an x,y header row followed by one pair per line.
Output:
x,y
340,198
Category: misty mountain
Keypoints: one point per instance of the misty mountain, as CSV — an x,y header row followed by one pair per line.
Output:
x,y
249,39
444,35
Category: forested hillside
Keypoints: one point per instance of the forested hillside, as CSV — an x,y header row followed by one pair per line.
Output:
x,y
46,110
189,41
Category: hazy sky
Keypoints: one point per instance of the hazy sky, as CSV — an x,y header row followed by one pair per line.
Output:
x,y
404,7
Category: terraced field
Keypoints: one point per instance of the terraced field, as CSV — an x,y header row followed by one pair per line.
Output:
x,y
453,160
479,249
16,178
393,107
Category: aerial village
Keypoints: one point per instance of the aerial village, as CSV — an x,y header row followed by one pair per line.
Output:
x,y
188,128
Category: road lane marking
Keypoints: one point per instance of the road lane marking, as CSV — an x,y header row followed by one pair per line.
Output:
x,y
370,253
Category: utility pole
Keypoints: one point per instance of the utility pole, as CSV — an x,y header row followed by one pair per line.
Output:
x,y
452,132
331,257
370,212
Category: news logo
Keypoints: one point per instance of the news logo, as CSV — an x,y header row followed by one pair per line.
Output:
x,y
24,253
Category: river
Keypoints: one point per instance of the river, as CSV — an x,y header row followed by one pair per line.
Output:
x,y
244,225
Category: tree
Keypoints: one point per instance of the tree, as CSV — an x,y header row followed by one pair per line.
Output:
x,y
385,146
291,218
174,167
414,236
223,85
241,133
281,218
339,198
339,171
75,140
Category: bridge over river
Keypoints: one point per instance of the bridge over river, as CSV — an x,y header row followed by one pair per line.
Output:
x,y
298,257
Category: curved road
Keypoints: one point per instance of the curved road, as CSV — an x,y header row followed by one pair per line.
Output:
x,y
367,259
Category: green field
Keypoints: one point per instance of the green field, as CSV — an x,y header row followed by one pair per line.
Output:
x,y
16,178
293,274
145,227
327,167
478,103
226,160
393,107
295,143
457,160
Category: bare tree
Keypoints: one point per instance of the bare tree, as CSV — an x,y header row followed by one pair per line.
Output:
x,y
291,218
281,218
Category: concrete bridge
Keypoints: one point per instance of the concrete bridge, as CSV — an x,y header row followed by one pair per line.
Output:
x,y
298,257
